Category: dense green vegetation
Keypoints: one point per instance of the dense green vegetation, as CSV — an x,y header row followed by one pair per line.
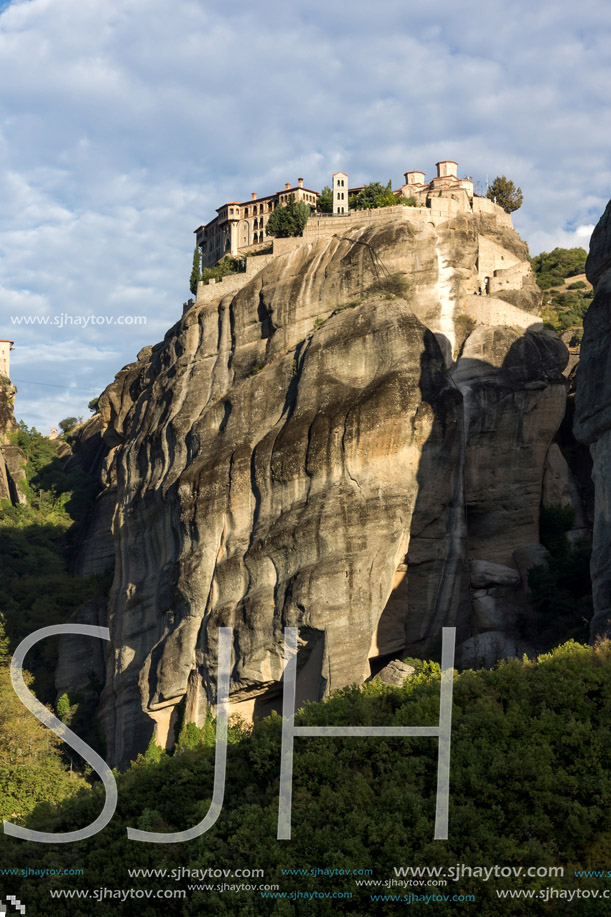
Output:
x,y
32,769
38,590
289,220
505,193
567,308
552,268
530,786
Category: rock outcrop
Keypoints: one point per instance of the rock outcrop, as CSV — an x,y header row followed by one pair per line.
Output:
x,y
593,415
12,459
353,442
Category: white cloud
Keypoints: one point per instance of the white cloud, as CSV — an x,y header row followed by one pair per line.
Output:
x,y
123,126
562,238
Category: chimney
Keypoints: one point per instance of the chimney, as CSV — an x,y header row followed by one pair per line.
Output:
x,y
287,185
253,195
300,182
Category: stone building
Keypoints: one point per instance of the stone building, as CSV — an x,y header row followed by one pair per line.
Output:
x,y
5,357
240,226
445,184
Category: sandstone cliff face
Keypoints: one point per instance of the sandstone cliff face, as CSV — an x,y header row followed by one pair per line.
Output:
x,y
12,459
593,415
305,451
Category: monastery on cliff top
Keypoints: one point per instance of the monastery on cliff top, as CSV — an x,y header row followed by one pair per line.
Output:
x,y
240,226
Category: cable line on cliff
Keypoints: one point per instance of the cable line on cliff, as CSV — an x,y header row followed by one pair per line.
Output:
x,y
72,388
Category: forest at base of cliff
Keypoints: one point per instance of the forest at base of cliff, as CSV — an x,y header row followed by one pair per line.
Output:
x,y
530,787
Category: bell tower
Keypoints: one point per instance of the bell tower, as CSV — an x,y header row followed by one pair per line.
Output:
x,y
340,192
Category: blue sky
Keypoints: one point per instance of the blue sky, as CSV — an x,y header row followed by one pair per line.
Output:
x,y
125,123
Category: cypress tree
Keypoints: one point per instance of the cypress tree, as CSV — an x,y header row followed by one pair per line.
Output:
x,y
196,274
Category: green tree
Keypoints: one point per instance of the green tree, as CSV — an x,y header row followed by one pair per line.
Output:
x,y
62,708
196,274
289,220
375,194
93,404
68,423
505,194
325,200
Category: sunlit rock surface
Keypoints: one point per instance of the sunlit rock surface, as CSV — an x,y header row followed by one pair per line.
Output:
x,y
330,447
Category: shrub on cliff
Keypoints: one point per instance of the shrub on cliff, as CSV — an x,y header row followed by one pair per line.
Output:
x,y
225,267
289,220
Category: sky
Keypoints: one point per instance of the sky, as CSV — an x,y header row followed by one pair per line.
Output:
x,y
124,124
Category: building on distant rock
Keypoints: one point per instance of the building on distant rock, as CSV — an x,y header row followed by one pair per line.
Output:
x,y
5,357
446,184
240,227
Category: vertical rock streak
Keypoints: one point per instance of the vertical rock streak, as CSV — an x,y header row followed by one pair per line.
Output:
x,y
446,293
